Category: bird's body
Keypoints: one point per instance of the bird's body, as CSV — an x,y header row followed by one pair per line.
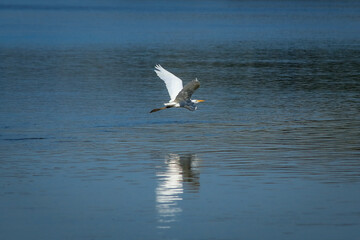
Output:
x,y
179,95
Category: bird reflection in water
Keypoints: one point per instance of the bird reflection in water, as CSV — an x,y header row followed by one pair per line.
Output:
x,y
181,174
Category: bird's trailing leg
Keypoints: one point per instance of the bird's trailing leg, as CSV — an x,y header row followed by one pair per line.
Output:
x,y
162,108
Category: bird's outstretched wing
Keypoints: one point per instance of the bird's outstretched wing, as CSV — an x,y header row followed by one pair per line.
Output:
x,y
187,91
173,83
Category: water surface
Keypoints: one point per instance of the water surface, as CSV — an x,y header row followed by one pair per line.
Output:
x,y
273,153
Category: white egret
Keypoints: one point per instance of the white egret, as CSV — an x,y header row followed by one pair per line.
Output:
x,y
179,95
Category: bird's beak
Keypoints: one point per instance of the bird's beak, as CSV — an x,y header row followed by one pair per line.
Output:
x,y
200,100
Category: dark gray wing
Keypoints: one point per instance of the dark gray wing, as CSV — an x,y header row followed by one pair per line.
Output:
x,y
187,91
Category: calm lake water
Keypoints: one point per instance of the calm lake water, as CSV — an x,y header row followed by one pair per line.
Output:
x,y
273,152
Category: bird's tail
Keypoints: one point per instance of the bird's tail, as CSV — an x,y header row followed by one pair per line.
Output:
x,y
162,108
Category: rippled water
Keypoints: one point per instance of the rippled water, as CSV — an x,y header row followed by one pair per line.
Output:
x,y
273,152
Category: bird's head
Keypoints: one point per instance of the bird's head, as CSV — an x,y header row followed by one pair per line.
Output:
x,y
197,101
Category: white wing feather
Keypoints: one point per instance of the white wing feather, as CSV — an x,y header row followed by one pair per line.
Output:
x,y
173,83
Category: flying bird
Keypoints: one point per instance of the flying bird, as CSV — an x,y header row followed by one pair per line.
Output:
x,y
179,95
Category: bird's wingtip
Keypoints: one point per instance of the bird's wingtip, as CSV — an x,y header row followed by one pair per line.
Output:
x,y
158,67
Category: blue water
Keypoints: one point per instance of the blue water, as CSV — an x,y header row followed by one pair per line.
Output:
x,y
273,152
